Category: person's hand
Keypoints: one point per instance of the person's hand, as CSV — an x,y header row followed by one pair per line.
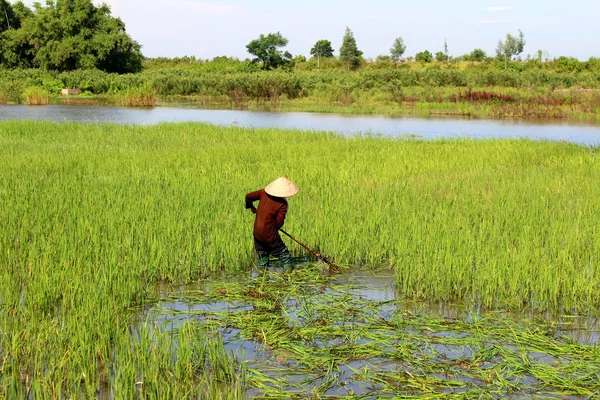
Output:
x,y
253,210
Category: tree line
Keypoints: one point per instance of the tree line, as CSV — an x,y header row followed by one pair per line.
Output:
x,y
267,50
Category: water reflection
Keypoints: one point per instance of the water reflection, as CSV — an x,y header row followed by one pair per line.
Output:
x,y
378,287
429,128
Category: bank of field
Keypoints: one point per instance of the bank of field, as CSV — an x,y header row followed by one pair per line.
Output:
x,y
525,90
94,216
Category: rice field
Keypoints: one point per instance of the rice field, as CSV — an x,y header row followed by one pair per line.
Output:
x,y
95,217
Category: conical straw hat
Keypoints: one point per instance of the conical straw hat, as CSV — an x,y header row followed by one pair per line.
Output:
x,y
282,187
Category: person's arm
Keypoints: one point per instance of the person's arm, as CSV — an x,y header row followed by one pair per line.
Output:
x,y
251,198
281,213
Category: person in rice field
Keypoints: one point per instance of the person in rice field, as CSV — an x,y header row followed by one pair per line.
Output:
x,y
270,216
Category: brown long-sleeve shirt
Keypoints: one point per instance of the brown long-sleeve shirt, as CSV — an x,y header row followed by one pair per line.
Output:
x,y
270,215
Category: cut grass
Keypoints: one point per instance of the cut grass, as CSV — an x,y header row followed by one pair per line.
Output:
x,y
311,336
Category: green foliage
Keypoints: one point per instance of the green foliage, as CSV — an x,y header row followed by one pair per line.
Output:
x,y
438,87
95,217
67,35
440,56
476,55
349,53
15,48
593,64
131,185
36,96
226,79
511,47
566,64
266,50
221,64
299,59
424,57
322,49
398,49
143,96
9,19
316,63
11,91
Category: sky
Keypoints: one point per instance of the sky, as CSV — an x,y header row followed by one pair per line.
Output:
x,y
206,29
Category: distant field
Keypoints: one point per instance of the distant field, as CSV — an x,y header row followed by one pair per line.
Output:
x,y
525,90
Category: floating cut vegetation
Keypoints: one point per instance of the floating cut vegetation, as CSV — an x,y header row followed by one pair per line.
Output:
x,y
93,216
308,336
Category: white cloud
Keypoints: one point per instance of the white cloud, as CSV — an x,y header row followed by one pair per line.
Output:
x,y
495,21
496,9
211,9
372,18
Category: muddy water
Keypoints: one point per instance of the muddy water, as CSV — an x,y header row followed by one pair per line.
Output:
x,y
371,301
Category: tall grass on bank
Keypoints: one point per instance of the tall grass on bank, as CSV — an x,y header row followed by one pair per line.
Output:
x,y
482,90
11,91
263,84
139,97
36,96
94,215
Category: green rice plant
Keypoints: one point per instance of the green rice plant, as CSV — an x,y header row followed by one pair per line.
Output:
x,y
95,216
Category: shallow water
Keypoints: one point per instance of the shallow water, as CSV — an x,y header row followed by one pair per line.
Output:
x,y
393,126
357,301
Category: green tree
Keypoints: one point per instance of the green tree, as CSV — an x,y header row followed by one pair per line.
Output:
x,y
66,35
11,45
349,53
542,55
265,49
398,49
511,47
321,49
8,17
568,64
15,49
477,55
424,56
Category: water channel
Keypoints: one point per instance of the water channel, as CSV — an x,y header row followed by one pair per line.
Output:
x,y
392,126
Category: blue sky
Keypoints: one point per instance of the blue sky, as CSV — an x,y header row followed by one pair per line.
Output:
x,y
208,29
